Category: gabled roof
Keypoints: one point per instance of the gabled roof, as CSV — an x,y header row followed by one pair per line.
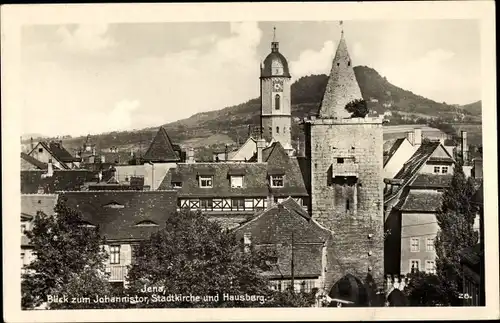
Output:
x,y
393,150
431,181
61,180
31,162
31,204
342,86
421,201
161,148
273,229
61,153
410,169
119,214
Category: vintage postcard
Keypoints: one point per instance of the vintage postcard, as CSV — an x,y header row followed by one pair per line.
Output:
x,y
249,161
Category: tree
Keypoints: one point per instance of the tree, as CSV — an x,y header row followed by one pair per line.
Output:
x,y
427,290
194,256
455,219
69,260
357,108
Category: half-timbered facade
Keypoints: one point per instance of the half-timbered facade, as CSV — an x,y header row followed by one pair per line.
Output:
x,y
237,190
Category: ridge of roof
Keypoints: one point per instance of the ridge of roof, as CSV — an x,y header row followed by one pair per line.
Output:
x,y
393,149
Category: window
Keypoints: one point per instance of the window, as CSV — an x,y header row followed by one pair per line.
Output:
x,y
347,206
277,181
205,181
349,63
176,184
236,181
340,160
430,244
437,169
430,266
114,254
23,228
40,150
414,265
277,129
206,204
444,170
277,102
238,204
22,258
415,244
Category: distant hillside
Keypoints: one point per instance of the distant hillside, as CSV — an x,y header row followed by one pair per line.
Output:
x,y
473,108
232,124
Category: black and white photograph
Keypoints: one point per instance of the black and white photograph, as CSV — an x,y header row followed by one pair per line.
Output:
x,y
316,157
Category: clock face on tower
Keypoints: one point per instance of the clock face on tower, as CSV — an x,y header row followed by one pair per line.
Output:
x,y
278,86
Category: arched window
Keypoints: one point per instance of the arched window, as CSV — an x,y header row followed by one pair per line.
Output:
x,y
277,102
277,129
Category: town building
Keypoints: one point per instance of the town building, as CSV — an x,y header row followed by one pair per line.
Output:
x,y
411,201
345,162
55,152
231,192
296,241
31,205
30,163
124,219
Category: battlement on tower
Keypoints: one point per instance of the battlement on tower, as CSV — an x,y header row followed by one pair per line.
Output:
x,y
334,121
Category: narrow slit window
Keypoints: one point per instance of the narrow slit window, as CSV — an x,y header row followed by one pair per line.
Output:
x,y
347,205
277,101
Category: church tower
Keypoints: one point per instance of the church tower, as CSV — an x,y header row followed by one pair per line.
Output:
x,y
276,113
345,157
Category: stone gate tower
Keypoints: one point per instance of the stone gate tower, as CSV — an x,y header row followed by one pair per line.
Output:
x,y
345,157
276,113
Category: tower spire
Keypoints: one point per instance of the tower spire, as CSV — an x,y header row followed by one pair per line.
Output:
x,y
341,23
274,44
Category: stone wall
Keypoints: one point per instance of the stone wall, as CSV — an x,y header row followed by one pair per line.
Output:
x,y
358,236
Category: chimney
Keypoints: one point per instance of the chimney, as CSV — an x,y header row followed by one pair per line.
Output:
x,y
261,144
50,170
442,139
411,137
190,155
464,147
226,153
31,143
417,136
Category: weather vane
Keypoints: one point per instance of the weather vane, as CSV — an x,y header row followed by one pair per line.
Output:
x,y
341,27
274,34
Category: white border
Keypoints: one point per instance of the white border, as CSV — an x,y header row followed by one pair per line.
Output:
x,y
13,16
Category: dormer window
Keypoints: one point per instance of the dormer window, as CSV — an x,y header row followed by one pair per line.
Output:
x,y
206,181
340,160
146,223
276,180
236,181
176,184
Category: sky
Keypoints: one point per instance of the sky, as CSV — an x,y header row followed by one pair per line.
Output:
x,y
113,77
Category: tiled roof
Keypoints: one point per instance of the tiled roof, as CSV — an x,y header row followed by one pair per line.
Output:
x,y
276,224
161,148
35,163
432,180
342,86
393,149
60,152
62,180
413,165
422,201
273,229
119,157
117,213
255,184
31,204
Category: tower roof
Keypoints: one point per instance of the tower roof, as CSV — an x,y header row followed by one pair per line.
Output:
x,y
342,86
275,60
161,149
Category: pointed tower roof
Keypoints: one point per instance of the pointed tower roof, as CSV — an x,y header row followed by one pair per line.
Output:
x,y
161,149
342,86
